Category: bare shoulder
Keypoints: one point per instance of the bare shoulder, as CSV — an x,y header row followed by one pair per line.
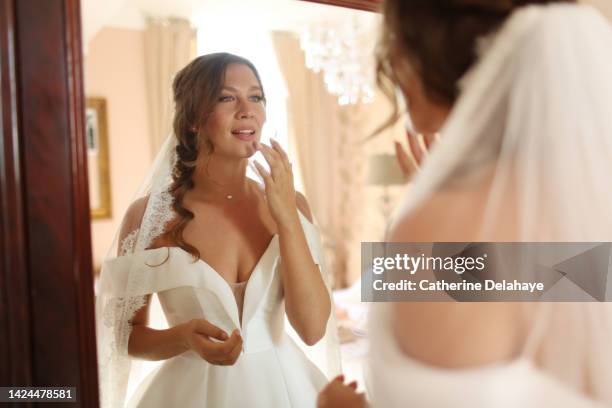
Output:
x,y
136,210
133,216
302,205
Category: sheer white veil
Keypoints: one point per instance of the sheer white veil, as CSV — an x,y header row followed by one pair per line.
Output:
x,y
119,296
124,283
533,128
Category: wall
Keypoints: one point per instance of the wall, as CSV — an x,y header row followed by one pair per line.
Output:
x,y
114,69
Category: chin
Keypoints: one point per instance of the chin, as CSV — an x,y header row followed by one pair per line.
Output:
x,y
245,151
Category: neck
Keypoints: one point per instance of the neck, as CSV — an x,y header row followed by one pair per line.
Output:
x,y
219,176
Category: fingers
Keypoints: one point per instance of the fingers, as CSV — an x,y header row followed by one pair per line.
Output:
x,y
225,353
263,173
229,353
277,168
202,326
235,353
340,379
228,345
418,152
283,155
403,160
430,139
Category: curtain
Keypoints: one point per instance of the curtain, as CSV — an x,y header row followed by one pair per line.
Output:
x,y
325,139
169,46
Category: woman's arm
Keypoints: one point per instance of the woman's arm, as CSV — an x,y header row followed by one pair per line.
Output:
x,y
307,301
151,344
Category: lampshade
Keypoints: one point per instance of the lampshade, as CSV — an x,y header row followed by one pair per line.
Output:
x,y
384,170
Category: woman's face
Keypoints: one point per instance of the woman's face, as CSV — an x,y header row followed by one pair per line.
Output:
x,y
239,114
427,117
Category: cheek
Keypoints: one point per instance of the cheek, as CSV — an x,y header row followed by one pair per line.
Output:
x,y
217,123
260,113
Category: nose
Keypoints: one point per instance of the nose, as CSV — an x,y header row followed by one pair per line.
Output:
x,y
245,110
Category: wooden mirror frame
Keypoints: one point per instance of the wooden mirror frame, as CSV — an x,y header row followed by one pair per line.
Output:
x,y
367,5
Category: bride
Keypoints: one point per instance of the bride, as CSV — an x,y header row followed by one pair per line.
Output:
x,y
227,258
521,95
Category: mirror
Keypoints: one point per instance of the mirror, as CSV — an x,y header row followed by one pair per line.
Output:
x,y
316,66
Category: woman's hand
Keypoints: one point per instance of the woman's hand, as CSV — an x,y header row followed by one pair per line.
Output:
x,y
336,394
198,334
419,148
280,192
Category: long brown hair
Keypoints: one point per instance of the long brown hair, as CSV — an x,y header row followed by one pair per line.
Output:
x,y
196,89
438,38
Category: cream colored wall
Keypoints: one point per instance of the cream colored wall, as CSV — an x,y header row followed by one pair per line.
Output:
x,y
114,69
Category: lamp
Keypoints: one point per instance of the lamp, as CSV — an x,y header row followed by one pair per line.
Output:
x,y
384,170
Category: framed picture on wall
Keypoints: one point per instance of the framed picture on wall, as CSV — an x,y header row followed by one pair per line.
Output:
x,y
97,158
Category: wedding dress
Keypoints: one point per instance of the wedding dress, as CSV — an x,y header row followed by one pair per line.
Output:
x,y
272,370
532,128
275,369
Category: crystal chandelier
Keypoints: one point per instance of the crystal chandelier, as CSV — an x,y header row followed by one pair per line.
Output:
x,y
345,56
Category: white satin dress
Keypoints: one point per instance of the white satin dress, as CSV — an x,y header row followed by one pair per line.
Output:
x,y
272,371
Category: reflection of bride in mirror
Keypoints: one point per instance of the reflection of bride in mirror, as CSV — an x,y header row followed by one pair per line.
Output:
x,y
226,256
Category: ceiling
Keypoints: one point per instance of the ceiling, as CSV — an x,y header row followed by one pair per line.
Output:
x,y
291,15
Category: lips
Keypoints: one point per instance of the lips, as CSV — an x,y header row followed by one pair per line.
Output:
x,y
246,134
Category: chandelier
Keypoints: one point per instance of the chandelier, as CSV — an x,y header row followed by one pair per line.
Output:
x,y
344,54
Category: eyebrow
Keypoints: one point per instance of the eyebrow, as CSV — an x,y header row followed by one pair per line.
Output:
x,y
231,88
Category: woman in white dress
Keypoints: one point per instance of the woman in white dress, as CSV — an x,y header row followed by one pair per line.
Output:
x,y
227,258
521,96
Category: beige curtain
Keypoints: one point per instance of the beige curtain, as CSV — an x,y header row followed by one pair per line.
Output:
x,y
325,139
169,46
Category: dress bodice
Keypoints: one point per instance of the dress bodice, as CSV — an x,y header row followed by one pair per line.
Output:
x,y
194,290
273,370
239,289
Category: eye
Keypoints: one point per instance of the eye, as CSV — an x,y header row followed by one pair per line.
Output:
x,y
226,98
256,98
